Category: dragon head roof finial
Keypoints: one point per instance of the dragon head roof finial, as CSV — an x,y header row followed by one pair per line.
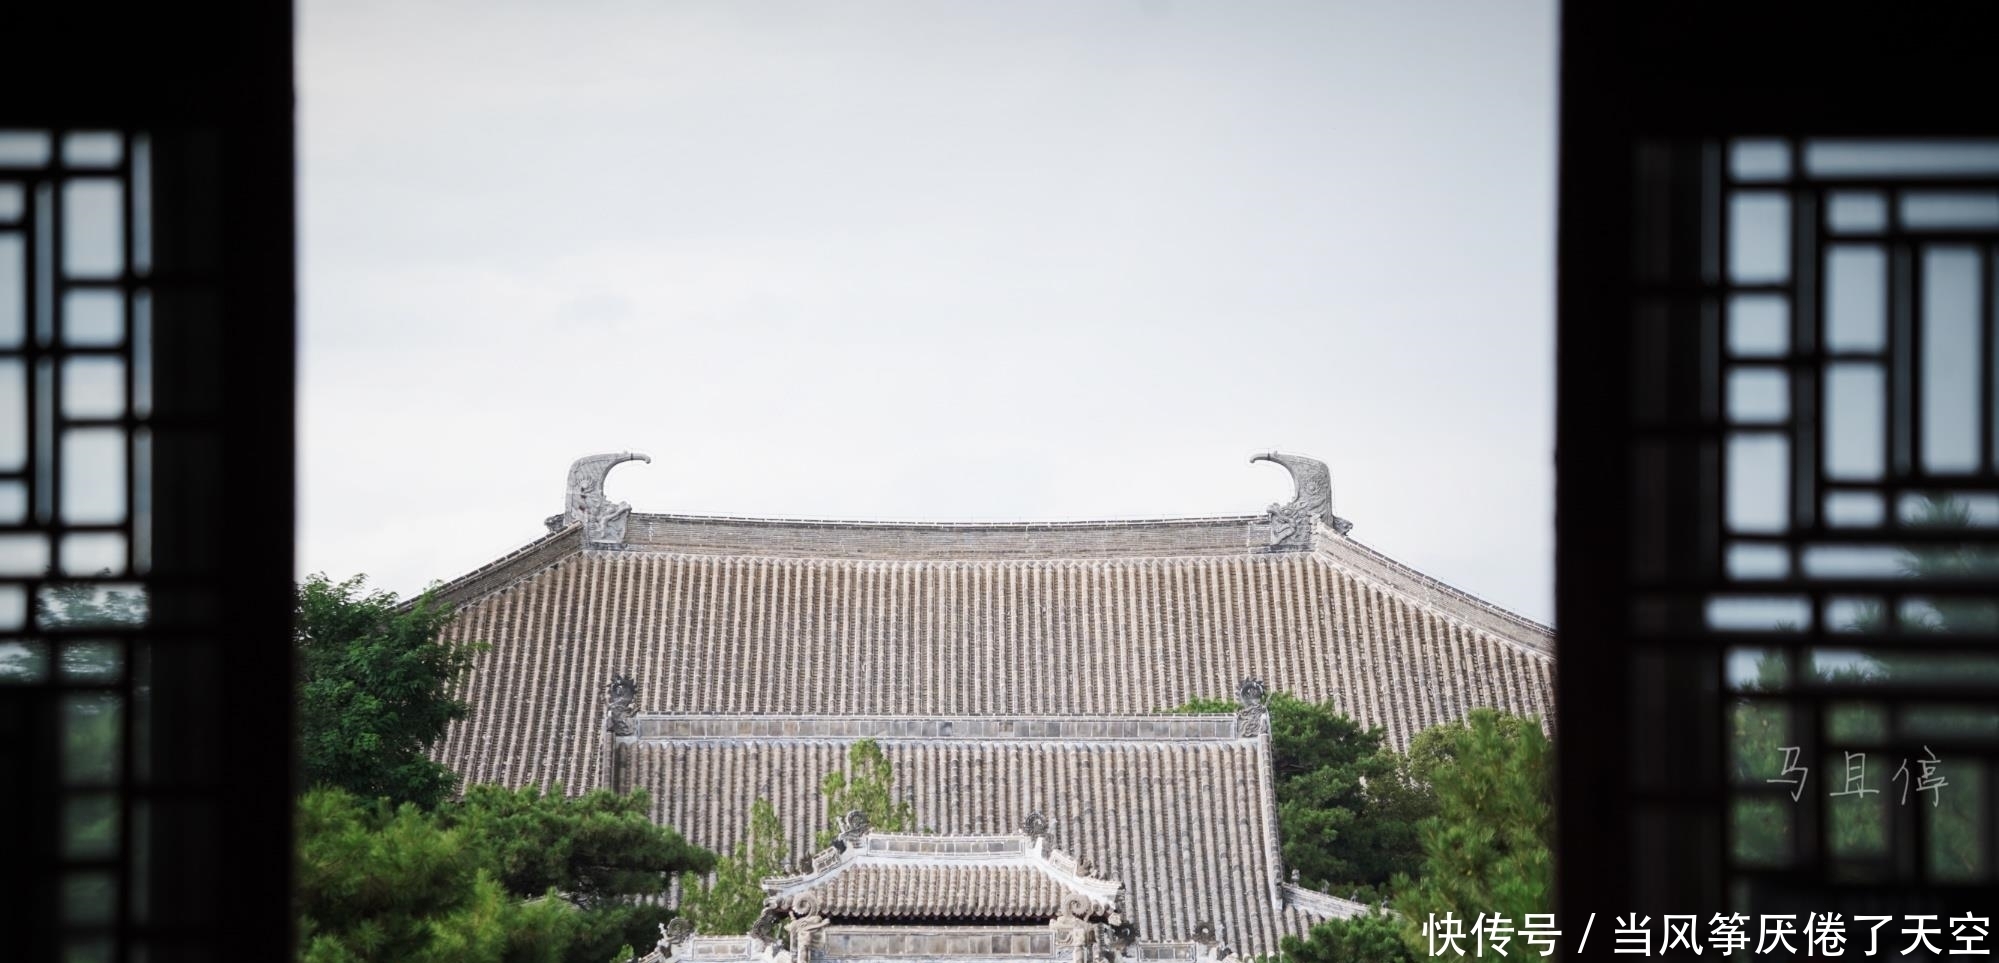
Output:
x,y
584,502
1312,482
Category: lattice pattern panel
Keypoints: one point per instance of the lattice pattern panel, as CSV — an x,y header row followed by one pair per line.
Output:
x,y
75,402
1816,478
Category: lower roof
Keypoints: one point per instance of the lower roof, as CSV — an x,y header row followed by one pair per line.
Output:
x,y
1187,824
944,879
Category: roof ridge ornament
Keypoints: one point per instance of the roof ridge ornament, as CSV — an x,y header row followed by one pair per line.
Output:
x,y
1035,826
1211,948
1115,937
764,930
855,826
673,933
584,502
1291,524
1253,719
623,707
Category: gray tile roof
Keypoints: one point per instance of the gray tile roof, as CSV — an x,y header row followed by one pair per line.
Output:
x,y
1008,668
899,876
938,892
721,633
907,944
1186,825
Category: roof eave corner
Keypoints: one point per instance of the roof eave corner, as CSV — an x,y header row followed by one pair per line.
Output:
x,y
511,567
1363,561
1322,904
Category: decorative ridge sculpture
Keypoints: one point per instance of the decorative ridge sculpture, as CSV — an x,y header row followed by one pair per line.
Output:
x,y
1116,936
1253,718
673,933
618,715
1312,483
1035,826
1209,943
855,827
584,502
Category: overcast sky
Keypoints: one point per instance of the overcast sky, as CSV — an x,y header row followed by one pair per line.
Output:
x,y
953,261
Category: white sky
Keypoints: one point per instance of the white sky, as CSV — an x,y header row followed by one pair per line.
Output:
x,y
964,261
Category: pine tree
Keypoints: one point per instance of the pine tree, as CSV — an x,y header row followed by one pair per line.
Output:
x,y
868,785
1488,848
374,691
733,901
1347,807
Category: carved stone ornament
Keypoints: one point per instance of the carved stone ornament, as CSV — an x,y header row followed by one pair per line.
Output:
x,y
674,933
1253,719
1070,931
1076,905
764,930
623,708
1252,692
1291,523
1035,826
584,503
805,933
1116,937
854,826
1204,933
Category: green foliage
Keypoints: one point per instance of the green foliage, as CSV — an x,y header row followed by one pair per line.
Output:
x,y
1372,938
731,903
75,605
868,785
1488,848
1758,731
596,850
601,932
89,604
734,900
382,883
391,868
373,694
1858,827
1943,562
1954,814
592,848
1347,808
505,875
1486,844
93,726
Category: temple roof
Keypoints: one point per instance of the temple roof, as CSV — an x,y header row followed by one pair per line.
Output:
x,y
905,876
710,632
1180,814
1006,668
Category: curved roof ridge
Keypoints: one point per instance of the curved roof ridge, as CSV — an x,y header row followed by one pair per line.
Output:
x,y
1100,538
961,523
1322,904
869,874
1446,599
687,554
511,567
1024,727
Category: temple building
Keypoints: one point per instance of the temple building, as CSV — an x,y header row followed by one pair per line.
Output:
x,y
1016,676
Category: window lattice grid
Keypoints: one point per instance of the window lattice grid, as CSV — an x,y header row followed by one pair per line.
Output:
x,y
75,552
1817,498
